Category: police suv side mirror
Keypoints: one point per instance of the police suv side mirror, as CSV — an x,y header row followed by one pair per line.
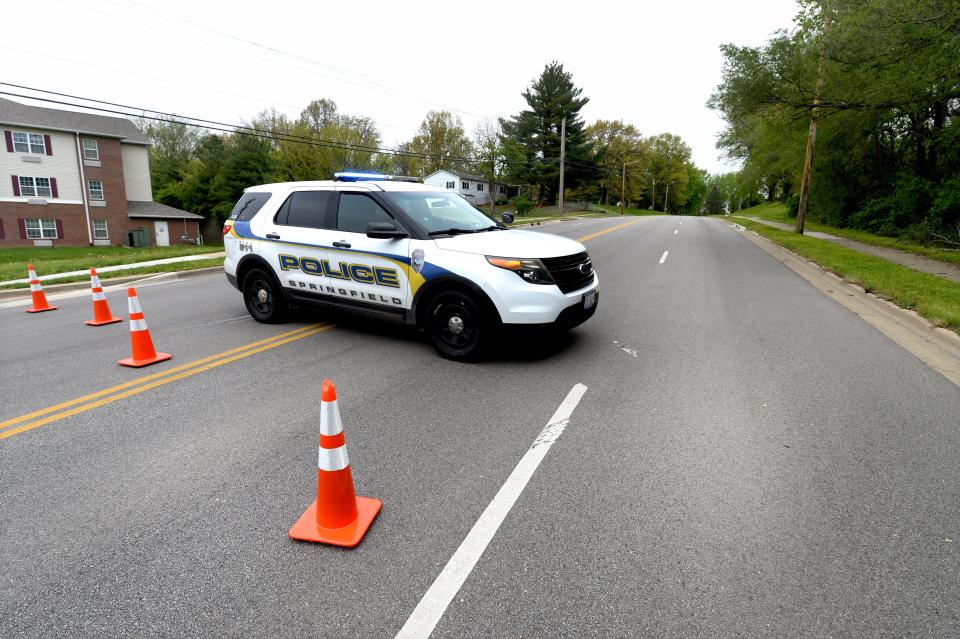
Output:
x,y
507,217
384,231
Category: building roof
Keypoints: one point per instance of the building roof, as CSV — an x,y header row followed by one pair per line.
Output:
x,y
157,210
461,174
15,113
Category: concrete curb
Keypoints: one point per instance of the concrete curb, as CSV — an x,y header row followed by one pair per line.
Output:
x,y
52,289
937,347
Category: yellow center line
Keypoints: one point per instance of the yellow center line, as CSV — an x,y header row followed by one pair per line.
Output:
x,y
609,230
143,384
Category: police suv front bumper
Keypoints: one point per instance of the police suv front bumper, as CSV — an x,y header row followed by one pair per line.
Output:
x,y
572,316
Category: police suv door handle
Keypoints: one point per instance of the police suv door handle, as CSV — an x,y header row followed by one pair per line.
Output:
x,y
273,236
342,244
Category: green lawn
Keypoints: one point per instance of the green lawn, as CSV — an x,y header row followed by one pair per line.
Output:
x,y
49,260
935,298
777,212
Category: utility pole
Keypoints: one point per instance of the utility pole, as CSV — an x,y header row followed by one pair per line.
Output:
x,y
623,184
653,194
666,197
812,132
563,153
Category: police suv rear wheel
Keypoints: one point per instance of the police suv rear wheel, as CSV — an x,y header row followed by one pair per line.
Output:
x,y
456,326
263,298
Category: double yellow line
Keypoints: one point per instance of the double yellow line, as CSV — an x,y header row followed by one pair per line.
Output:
x,y
608,230
106,396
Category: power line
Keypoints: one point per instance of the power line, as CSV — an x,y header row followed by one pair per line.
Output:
x,y
213,125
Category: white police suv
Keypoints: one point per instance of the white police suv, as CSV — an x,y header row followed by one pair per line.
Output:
x,y
403,250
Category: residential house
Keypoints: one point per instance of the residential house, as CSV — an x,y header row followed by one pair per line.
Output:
x,y
474,187
77,179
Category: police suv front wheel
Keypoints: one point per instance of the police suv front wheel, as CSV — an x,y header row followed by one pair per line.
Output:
x,y
457,326
263,297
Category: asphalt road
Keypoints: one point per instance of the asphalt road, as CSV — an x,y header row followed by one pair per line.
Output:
x,y
749,459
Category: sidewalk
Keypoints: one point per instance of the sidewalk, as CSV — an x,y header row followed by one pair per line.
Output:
x,y
119,267
910,260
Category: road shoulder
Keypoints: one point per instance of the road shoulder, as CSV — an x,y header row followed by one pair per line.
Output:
x,y
939,348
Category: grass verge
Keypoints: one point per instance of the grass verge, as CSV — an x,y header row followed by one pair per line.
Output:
x,y
935,298
777,212
49,260
176,267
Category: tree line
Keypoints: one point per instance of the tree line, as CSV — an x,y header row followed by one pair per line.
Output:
x,y
887,151
205,172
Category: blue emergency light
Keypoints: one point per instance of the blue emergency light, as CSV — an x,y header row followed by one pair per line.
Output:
x,y
370,176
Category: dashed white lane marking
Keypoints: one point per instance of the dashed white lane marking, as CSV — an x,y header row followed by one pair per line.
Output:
x,y
675,231
435,602
663,258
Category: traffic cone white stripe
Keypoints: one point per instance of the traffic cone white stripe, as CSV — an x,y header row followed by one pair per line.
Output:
x,y
133,304
35,287
138,325
33,275
95,281
98,296
333,459
330,423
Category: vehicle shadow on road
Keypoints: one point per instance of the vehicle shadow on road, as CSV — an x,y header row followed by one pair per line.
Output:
x,y
506,348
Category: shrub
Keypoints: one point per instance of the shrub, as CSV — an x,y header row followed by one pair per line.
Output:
x,y
523,204
793,205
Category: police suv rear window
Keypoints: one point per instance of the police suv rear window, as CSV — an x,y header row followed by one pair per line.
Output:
x,y
248,206
305,208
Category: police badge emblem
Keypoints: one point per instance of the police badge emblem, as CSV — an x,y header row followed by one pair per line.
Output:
x,y
417,260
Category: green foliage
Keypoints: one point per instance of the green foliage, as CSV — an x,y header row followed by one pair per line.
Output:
x,y
888,140
713,203
522,204
442,140
534,135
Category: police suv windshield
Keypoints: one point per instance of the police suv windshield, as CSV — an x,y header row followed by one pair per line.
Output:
x,y
441,213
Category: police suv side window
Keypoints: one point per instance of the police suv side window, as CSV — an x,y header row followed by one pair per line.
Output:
x,y
357,211
305,208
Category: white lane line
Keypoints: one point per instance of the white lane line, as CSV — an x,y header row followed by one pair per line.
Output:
x,y
663,258
675,231
435,602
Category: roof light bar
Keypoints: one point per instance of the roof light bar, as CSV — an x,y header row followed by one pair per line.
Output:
x,y
367,176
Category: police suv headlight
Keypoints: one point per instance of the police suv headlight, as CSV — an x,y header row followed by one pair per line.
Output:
x,y
532,271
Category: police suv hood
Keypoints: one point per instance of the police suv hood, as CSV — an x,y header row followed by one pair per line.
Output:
x,y
512,243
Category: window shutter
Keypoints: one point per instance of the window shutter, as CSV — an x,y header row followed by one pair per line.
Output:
x,y
22,223
2,236
59,229
46,143
9,137
16,185
53,187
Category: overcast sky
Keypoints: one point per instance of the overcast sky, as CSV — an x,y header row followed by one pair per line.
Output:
x,y
650,64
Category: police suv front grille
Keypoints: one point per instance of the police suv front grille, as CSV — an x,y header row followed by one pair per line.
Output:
x,y
567,272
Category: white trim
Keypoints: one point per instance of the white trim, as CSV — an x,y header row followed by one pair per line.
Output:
x,y
90,191
96,149
106,230
24,200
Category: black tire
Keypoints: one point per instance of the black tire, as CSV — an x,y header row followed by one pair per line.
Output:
x,y
457,326
264,298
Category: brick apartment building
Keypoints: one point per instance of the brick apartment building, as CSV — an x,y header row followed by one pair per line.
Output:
x,y
76,179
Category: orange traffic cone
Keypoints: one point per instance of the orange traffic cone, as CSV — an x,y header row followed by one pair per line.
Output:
x,y
101,310
338,516
142,346
36,292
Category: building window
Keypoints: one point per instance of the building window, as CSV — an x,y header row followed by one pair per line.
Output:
x,y
479,186
41,229
451,185
90,150
35,187
95,187
465,186
28,143
100,230
503,189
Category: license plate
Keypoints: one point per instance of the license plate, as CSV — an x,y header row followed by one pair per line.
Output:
x,y
589,299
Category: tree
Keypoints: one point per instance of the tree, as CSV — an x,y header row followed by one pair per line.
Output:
x,y
618,146
491,156
713,203
669,159
442,142
173,143
535,134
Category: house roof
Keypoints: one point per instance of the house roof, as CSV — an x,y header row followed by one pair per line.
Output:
x,y
461,174
157,210
15,113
